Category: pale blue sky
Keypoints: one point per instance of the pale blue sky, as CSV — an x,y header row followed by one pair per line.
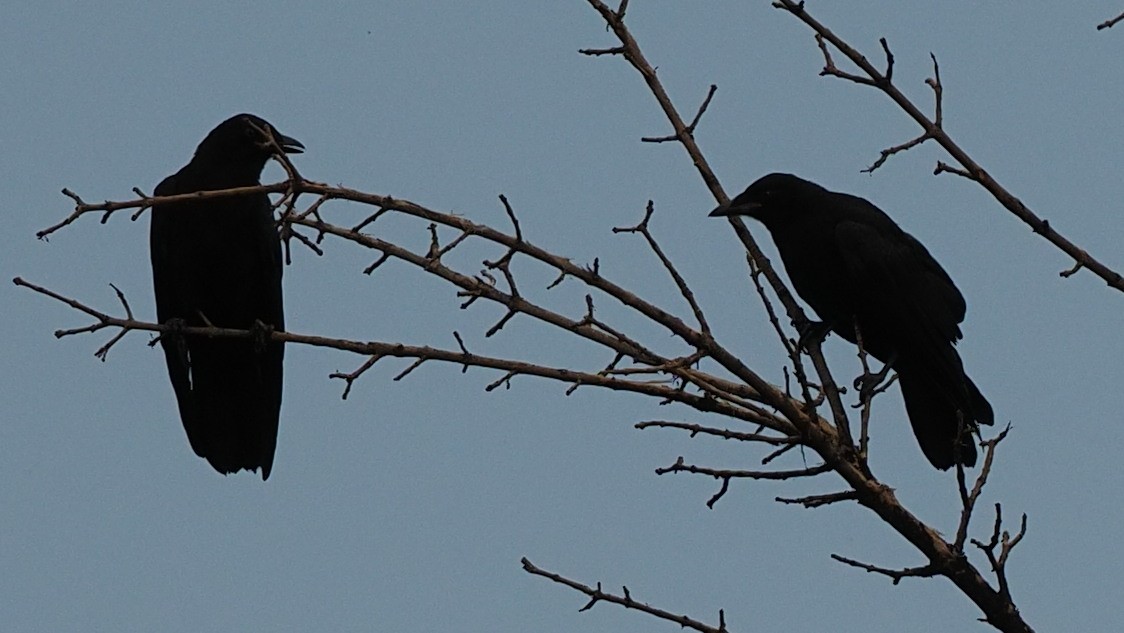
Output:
x,y
408,506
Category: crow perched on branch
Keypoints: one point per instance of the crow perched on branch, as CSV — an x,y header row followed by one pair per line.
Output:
x,y
856,267
218,262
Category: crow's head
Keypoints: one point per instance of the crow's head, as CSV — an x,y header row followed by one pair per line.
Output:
x,y
771,198
245,140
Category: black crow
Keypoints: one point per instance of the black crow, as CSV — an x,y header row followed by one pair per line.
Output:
x,y
218,262
854,265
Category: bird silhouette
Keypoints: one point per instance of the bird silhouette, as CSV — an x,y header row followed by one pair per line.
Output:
x,y
855,266
217,262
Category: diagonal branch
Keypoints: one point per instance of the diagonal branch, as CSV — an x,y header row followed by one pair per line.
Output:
x,y
896,575
968,499
598,595
690,129
1109,23
932,129
1003,540
680,283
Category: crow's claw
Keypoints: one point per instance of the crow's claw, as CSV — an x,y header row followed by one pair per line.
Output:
x,y
812,331
868,384
260,334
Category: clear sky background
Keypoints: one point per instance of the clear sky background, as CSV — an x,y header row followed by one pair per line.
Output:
x,y
408,506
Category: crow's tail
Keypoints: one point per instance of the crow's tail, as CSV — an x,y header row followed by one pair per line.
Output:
x,y
944,413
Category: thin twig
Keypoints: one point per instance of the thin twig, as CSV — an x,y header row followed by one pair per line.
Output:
x,y
690,129
1108,24
681,467
817,501
968,499
680,283
896,575
598,595
726,434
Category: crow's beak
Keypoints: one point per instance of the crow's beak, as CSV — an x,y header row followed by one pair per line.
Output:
x,y
289,145
728,209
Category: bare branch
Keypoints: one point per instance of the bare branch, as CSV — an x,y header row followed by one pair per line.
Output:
x,y
511,216
933,82
504,381
718,495
816,501
829,67
630,50
925,571
889,59
370,219
833,443
103,351
680,467
598,595
1071,271
968,499
680,283
597,52
890,151
411,368
726,434
690,129
933,129
1005,542
350,378
1108,24
378,262
303,240
945,168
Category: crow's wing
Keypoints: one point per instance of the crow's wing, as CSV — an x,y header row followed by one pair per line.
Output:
x,y
899,280
171,283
